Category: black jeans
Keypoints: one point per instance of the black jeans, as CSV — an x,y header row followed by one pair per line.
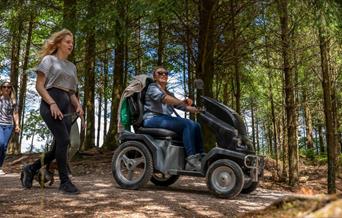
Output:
x,y
61,132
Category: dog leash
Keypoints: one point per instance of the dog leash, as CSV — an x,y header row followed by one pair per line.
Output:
x,y
72,114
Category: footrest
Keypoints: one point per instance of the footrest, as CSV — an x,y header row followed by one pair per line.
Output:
x,y
186,173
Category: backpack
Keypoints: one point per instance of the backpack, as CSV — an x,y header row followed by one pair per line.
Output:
x,y
132,103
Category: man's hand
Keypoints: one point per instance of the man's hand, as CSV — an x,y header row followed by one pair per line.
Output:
x,y
192,109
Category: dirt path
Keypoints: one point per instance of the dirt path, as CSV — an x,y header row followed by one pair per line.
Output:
x,y
101,197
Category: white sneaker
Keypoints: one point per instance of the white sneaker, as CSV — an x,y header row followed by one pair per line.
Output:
x,y
2,172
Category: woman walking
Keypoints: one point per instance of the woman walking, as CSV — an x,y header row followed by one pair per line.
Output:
x,y
56,84
9,119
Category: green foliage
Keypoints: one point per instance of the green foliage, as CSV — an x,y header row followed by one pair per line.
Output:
x,y
252,43
310,154
339,160
322,159
35,127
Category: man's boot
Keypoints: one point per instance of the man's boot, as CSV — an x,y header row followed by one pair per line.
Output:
x,y
193,163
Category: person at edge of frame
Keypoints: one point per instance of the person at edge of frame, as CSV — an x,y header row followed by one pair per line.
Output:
x,y
9,119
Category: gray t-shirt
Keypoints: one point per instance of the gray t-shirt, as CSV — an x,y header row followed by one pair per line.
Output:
x,y
6,111
154,105
60,74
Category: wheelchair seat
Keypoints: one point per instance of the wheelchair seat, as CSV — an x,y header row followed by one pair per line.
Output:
x,y
156,132
136,107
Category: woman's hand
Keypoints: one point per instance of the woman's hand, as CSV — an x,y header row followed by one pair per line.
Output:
x,y
79,110
188,101
192,109
17,129
55,112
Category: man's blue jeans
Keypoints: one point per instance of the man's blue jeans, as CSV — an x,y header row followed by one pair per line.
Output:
x,y
188,129
5,134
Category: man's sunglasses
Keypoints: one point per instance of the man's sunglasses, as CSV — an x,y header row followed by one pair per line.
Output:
x,y
163,73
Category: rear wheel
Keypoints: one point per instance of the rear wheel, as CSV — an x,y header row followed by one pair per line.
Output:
x,y
160,179
225,178
132,165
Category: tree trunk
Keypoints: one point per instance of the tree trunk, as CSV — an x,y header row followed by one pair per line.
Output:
x,y
253,123
105,87
89,90
70,20
23,78
16,31
139,58
117,87
257,135
188,52
284,173
206,44
161,43
308,122
205,62
289,93
270,139
270,91
321,141
236,58
125,79
329,122
99,114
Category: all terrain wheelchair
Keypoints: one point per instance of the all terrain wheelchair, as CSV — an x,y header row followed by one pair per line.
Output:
x,y
157,155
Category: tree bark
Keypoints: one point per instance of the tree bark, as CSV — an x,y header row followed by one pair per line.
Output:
x,y
320,139
105,87
23,78
16,31
70,21
89,74
329,122
257,135
284,144
139,52
271,99
308,122
253,122
236,58
161,43
117,87
289,93
206,44
99,113
205,61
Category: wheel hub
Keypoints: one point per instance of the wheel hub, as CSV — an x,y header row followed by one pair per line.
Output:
x,y
128,165
223,179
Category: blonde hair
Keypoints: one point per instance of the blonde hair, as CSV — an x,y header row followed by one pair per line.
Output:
x,y
50,45
12,95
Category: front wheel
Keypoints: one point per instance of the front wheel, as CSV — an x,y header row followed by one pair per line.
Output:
x,y
161,179
225,178
132,165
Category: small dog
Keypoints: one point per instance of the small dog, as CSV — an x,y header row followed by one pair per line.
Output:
x,y
46,175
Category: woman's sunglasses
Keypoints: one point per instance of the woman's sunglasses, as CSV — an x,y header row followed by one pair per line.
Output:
x,y
7,87
162,73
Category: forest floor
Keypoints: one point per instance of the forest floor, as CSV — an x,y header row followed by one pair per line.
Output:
x,y
188,197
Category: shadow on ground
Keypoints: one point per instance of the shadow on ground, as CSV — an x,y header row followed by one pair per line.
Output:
x,y
101,197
